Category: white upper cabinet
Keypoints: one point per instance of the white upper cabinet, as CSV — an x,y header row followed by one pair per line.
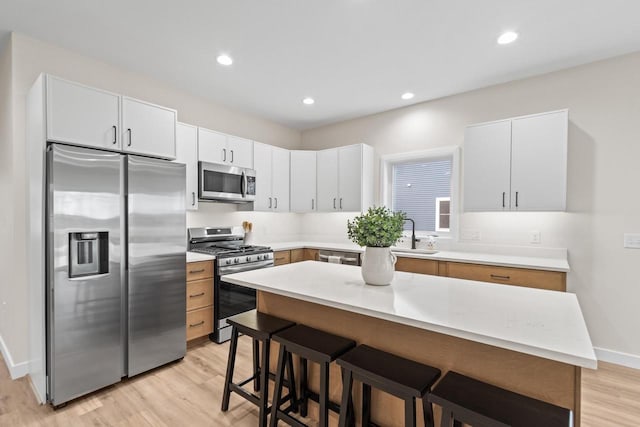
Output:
x,y
263,166
272,178
280,179
345,178
539,162
327,176
187,153
517,164
82,115
217,147
303,181
148,129
487,166
240,151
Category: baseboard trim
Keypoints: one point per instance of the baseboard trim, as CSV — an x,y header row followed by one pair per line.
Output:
x,y
618,358
16,370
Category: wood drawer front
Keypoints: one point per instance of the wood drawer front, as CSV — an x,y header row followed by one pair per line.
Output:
x,y
415,265
199,270
199,293
552,280
311,254
199,322
282,257
297,255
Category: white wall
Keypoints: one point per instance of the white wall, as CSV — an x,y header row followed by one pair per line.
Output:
x,y
603,177
28,58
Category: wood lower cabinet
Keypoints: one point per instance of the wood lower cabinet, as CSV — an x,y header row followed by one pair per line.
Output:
x,y
415,265
199,299
552,280
311,254
281,257
295,255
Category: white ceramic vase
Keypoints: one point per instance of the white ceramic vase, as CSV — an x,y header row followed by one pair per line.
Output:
x,y
378,266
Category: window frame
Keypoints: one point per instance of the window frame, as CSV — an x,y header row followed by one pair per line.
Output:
x,y
387,162
438,213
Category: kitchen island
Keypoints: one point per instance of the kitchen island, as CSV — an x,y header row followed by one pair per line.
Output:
x,y
530,341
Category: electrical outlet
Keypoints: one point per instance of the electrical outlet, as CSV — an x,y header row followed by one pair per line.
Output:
x,y
470,234
534,237
632,240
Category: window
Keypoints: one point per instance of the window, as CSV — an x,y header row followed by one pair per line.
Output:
x,y
422,185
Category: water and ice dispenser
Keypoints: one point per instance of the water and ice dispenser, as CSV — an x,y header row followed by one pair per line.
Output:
x,y
88,253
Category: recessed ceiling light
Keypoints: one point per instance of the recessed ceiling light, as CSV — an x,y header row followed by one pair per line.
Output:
x,y
224,60
507,37
308,101
407,95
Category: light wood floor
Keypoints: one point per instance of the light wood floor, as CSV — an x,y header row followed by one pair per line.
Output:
x,y
188,394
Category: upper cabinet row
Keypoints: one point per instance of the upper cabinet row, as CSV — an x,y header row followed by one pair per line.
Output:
x,y
517,164
82,115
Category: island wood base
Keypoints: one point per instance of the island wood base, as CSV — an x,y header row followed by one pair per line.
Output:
x,y
547,380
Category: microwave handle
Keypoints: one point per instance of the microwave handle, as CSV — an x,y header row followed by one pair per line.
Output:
x,y
243,185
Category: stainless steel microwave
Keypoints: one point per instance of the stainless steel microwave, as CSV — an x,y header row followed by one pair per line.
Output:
x,y
226,183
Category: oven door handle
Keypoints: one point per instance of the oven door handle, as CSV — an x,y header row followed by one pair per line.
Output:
x,y
244,267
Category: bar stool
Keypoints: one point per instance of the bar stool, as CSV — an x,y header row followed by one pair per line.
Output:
x,y
392,374
315,346
467,400
260,327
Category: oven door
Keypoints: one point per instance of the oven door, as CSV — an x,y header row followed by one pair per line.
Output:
x,y
226,183
232,299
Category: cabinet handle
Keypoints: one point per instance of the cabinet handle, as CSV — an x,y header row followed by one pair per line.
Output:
x,y
196,271
498,277
269,202
313,204
129,131
340,202
193,325
334,203
279,258
231,156
516,199
196,295
193,198
224,154
276,205
503,194
115,134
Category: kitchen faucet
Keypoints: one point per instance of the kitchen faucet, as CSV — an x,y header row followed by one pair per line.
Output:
x,y
413,233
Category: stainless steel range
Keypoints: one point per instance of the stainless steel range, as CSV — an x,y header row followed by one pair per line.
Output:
x,y
232,256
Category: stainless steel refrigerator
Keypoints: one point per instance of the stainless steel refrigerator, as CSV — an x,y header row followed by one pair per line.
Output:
x,y
116,262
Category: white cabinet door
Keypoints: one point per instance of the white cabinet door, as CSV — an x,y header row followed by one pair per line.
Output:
x,y
539,162
303,181
212,146
280,179
148,129
350,178
187,153
327,176
263,168
81,115
487,160
240,152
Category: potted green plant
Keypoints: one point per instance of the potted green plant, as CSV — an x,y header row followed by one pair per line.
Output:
x,y
377,230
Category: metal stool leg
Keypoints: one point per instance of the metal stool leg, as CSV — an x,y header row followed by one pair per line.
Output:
x,y
256,365
304,404
366,405
231,362
345,408
292,383
264,385
277,391
324,395
410,412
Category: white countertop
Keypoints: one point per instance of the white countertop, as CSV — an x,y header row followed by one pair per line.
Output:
x,y
536,263
195,257
542,323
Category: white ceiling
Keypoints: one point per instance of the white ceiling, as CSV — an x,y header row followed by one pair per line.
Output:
x,y
355,57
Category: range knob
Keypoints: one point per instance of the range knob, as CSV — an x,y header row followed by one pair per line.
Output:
x,y
228,262
248,259
236,260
